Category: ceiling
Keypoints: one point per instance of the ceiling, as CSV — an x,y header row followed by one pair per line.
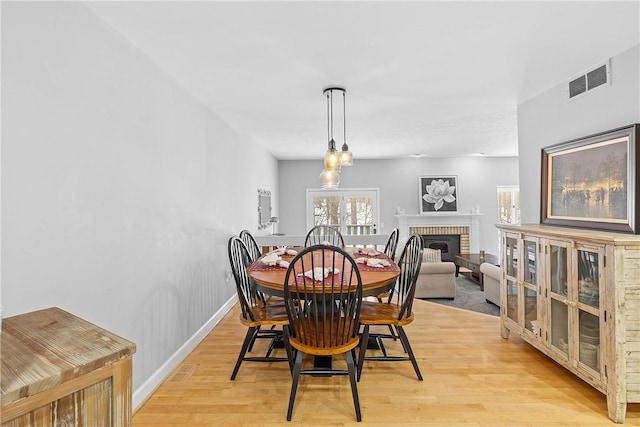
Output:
x,y
439,79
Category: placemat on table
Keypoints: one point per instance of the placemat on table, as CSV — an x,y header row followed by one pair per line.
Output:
x,y
365,267
258,266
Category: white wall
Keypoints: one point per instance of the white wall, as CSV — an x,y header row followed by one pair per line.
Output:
x,y
550,119
119,189
397,179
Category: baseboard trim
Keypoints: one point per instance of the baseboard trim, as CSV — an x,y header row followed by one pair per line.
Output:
x,y
142,393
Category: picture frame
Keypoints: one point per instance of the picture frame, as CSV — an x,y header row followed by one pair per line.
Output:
x,y
438,193
264,208
591,182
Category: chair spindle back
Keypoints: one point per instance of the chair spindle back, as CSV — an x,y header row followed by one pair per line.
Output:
x,y
324,233
323,313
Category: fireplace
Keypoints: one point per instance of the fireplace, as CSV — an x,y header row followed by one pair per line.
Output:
x,y
455,238
465,225
449,244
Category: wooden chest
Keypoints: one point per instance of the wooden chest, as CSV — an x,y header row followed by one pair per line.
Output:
x,y
58,369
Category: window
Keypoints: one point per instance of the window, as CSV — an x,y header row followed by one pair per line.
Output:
x,y
354,211
508,204
508,207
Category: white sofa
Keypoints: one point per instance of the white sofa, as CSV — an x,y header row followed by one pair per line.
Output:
x,y
491,280
437,279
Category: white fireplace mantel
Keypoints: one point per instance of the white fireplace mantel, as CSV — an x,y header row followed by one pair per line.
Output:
x,y
438,219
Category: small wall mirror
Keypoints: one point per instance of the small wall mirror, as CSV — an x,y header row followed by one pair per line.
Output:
x,y
264,208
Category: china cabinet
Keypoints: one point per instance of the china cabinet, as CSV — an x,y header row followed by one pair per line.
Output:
x,y
575,295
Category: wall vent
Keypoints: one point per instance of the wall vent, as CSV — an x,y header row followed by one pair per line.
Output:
x,y
592,79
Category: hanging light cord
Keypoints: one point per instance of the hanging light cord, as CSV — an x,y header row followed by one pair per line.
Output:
x,y
328,120
344,116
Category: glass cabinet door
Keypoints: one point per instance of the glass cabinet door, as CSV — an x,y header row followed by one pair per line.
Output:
x,y
512,300
531,311
558,276
530,282
574,313
529,263
587,272
512,288
558,267
589,341
559,326
522,290
588,278
511,256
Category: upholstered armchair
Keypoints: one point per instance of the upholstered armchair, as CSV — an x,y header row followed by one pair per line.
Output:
x,y
491,282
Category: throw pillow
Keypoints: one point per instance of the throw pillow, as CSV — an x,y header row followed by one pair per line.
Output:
x,y
431,255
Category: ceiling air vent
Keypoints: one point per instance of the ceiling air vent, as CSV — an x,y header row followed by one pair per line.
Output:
x,y
590,80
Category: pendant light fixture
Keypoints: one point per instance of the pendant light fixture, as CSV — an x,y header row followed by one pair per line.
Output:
x,y
334,159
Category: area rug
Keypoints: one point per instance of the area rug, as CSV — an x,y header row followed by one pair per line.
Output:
x,y
468,297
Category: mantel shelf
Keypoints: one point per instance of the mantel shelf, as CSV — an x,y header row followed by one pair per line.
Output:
x,y
438,214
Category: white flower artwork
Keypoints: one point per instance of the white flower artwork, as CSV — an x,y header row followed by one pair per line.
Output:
x,y
438,194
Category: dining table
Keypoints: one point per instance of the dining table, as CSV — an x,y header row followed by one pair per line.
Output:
x,y
378,274
377,277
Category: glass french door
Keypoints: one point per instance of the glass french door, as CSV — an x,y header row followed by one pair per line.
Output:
x,y
352,211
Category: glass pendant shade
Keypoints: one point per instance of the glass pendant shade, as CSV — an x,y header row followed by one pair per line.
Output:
x,y
346,157
332,158
330,178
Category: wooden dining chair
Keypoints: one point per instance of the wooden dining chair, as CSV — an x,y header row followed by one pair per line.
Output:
x,y
251,244
390,251
397,311
323,313
392,243
255,253
254,312
323,234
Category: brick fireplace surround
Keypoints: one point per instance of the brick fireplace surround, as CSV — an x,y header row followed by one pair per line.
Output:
x,y
465,225
462,231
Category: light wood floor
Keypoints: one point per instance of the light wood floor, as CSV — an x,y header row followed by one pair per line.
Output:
x,y
472,377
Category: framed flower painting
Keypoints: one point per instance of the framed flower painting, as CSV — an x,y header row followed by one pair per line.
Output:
x,y
438,193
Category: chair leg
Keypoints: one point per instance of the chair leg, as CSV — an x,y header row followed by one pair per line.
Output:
x,y
392,333
381,346
403,347
248,339
287,347
294,383
253,339
407,347
272,344
354,386
364,339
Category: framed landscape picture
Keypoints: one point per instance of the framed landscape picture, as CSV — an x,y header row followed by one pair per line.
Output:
x,y
438,193
592,182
